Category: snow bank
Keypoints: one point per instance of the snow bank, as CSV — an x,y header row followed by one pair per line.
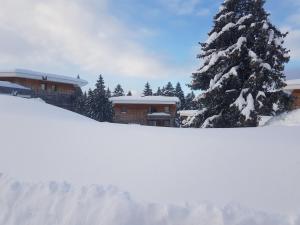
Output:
x,y
256,168
61,203
286,119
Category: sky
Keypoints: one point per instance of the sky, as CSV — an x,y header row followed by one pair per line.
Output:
x,y
127,41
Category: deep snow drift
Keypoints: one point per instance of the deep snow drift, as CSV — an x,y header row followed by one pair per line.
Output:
x,y
257,168
63,204
286,119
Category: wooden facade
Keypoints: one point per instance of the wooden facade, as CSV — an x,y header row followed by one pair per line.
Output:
x,y
42,85
296,95
54,89
145,114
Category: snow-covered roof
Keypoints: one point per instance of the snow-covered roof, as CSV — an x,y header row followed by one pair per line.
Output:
x,y
292,84
159,114
29,74
187,113
12,85
163,100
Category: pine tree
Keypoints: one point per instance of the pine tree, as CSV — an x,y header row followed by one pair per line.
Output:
x,y
243,72
80,103
189,102
147,90
118,91
179,94
89,104
168,90
129,93
108,93
99,106
158,92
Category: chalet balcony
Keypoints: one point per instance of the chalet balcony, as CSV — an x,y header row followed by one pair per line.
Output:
x,y
159,116
161,119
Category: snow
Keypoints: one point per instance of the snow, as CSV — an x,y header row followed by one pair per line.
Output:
x,y
286,119
145,100
240,42
226,28
159,114
223,16
240,102
187,113
219,83
249,107
292,84
253,55
61,203
22,73
12,85
266,66
263,120
208,121
51,158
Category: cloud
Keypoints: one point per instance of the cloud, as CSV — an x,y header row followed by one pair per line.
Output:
x,y
79,33
185,7
292,25
292,43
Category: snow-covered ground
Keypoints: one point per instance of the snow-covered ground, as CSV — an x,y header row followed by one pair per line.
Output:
x,y
50,158
286,119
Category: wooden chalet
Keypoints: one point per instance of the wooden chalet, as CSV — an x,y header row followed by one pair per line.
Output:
x,y
148,110
293,87
54,89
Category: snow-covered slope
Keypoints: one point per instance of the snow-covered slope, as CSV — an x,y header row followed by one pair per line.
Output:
x,y
257,168
286,119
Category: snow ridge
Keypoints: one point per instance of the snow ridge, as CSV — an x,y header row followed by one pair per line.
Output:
x,y
64,204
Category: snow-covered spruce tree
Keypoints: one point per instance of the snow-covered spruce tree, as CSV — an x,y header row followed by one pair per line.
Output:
x,y
89,104
98,105
147,90
189,102
179,94
243,72
168,90
158,92
108,92
118,91
80,103
129,93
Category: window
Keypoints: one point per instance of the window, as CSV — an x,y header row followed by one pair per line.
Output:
x,y
167,109
123,109
152,123
152,109
53,87
43,87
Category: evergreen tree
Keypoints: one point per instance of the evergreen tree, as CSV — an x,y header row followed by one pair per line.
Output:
x,y
80,103
242,75
118,91
189,102
99,106
158,92
108,93
168,90
129,93
147,90
179,94
89,108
